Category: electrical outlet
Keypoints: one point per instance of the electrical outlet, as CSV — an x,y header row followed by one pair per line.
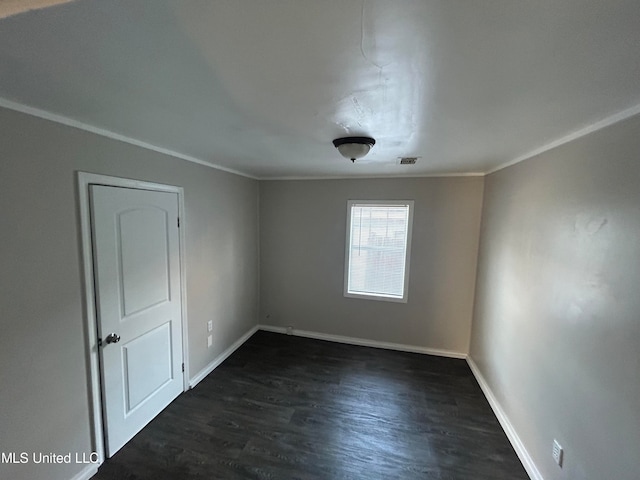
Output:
x,y
209,341
557,452
209,325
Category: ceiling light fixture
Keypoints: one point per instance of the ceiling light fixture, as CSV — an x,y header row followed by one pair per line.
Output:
x,y
354,147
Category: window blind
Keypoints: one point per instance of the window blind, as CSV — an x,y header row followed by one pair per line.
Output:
x,y
377,249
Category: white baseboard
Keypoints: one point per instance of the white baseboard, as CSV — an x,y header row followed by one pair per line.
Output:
x,y
364,342
221,358
512,435
508,428
86,473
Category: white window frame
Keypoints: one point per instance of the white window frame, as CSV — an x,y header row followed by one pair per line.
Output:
x,y
407,259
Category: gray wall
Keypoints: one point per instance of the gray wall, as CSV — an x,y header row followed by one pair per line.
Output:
x,y
302,242
556,330
43,375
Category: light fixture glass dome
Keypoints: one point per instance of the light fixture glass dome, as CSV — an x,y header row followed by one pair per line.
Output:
x,y
354,147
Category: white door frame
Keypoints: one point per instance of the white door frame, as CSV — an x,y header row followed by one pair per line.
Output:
x,y
91,331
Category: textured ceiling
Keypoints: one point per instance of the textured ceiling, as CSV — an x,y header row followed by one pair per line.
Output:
x,y
262,87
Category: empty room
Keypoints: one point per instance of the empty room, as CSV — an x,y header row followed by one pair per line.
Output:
x,y
320,239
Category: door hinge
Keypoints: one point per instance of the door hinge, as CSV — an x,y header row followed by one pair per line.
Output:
x,y
183,367
178,222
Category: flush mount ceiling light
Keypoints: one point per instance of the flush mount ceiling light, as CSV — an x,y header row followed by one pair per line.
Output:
x,y
354,147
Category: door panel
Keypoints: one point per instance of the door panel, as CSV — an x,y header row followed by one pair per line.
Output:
x,y
137,276
145,276
147,365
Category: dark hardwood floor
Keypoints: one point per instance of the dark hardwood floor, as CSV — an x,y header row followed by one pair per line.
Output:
x,y
284,407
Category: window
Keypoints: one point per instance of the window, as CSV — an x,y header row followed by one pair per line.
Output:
x,y
377,253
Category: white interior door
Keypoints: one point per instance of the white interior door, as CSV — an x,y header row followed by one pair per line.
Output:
x,y
137,282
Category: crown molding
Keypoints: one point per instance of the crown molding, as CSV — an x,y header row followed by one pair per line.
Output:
x,y
373,177
54,117
599,125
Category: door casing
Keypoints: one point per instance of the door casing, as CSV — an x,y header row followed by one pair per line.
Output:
x,y
84,180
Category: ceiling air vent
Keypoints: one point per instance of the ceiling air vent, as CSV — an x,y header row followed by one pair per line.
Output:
x,y
408,160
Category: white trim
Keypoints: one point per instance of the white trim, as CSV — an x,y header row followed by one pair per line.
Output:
x,y
373,177
363,342
103,132
89,309
83,181
54,117
221,358
182,232
605,122
86,473
527,462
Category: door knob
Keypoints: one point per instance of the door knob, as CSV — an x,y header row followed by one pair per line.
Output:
x,y
112,338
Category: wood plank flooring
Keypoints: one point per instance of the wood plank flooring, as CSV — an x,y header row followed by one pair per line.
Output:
x,y
285,407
